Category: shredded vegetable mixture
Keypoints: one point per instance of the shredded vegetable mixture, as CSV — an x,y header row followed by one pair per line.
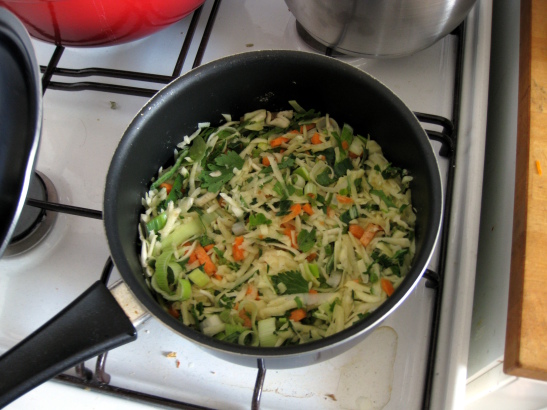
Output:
x,y
279,228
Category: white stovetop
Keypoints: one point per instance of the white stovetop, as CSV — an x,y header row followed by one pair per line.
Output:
x,y
81,131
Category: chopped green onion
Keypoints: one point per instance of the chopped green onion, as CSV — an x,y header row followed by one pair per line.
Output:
x,y
164,177
185,231
297,107
160,276
199,277
266,332
303,172
310,190
314,269
157,223
298,180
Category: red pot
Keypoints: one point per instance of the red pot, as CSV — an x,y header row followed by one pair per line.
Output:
x,y
97,22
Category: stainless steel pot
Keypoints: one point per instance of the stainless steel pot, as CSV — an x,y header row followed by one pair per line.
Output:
x,y
379,28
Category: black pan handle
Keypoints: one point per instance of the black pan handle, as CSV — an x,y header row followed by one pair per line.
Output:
x,y
90,325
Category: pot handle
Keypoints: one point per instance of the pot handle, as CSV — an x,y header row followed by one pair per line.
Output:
x,y
90,325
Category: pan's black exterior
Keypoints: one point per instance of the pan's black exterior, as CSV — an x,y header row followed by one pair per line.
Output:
x,y
246,82
20,126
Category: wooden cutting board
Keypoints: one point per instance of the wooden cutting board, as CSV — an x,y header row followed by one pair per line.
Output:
x,y
526,338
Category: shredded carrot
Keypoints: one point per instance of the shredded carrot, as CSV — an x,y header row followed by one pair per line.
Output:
x,y
538,167
353,155
307,126
174,312
308,209
313,291
208,266
330,212
345,145
193,258
322,157
209,247
253,292
217,276
294,132
289,232
237,252
356,231
295,211
168,187
246,319
297,315
344,199
276,142
369,233
311,257
387,286
316,139
265,161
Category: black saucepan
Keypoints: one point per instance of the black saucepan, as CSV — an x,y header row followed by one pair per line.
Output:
x,y
235,85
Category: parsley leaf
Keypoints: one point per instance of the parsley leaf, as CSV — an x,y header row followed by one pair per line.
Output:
x,y
258,219
284,207
231,160
215,183
341,167
293,281
220,173
324,178
306,240
330,155
287,162
205,240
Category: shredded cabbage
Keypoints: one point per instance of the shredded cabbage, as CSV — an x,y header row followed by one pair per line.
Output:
x,y
302,226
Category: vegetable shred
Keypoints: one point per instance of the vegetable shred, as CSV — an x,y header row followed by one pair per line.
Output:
x,y
277,228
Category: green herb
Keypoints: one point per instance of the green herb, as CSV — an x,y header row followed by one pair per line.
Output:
x,y
284,207
329,154
278,189
205,240
306,240
293,281
220,173
226,302
350,215
341,167
392,172
258,219
324,178
167,175
390,263
231,160
198,148
387,200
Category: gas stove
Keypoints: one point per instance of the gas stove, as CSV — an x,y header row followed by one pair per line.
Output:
x,y
415,359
